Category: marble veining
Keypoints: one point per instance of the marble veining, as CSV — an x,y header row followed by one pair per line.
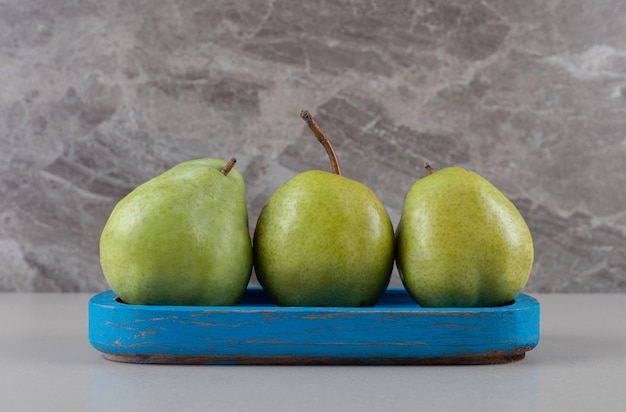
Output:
x,y
97,97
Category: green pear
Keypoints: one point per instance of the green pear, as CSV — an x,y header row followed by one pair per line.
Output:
x,y
181,238
460,242
323,240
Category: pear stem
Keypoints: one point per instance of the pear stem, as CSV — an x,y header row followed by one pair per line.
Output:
x,y
429,169
228,166
321,137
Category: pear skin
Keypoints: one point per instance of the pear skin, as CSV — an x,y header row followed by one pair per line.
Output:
x,y
181,238
324,240
461,243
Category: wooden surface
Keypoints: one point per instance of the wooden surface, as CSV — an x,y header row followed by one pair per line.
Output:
x,y
395,331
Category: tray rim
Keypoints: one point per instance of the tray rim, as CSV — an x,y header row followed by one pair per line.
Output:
x,y
104,298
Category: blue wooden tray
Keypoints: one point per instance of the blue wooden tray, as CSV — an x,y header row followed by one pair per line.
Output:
x,y
395,331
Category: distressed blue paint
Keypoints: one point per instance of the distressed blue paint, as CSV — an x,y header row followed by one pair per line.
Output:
x,y
395,329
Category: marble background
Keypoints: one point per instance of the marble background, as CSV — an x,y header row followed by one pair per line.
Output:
x,y
98,96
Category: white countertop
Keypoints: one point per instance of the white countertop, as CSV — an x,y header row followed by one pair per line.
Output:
x,y
48,364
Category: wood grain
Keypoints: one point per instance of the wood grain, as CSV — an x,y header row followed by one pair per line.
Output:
x,y
396,331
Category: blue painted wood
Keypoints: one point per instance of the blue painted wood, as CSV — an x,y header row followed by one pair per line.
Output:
x,y
395,331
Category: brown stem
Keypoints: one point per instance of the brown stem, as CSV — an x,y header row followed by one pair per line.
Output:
x,y
334,162
429,169
228,166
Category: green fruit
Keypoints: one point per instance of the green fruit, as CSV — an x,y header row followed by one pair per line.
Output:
x,y
461,242
181,238
323,240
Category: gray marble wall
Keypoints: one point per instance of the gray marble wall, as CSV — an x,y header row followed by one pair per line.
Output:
x,y
98,96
